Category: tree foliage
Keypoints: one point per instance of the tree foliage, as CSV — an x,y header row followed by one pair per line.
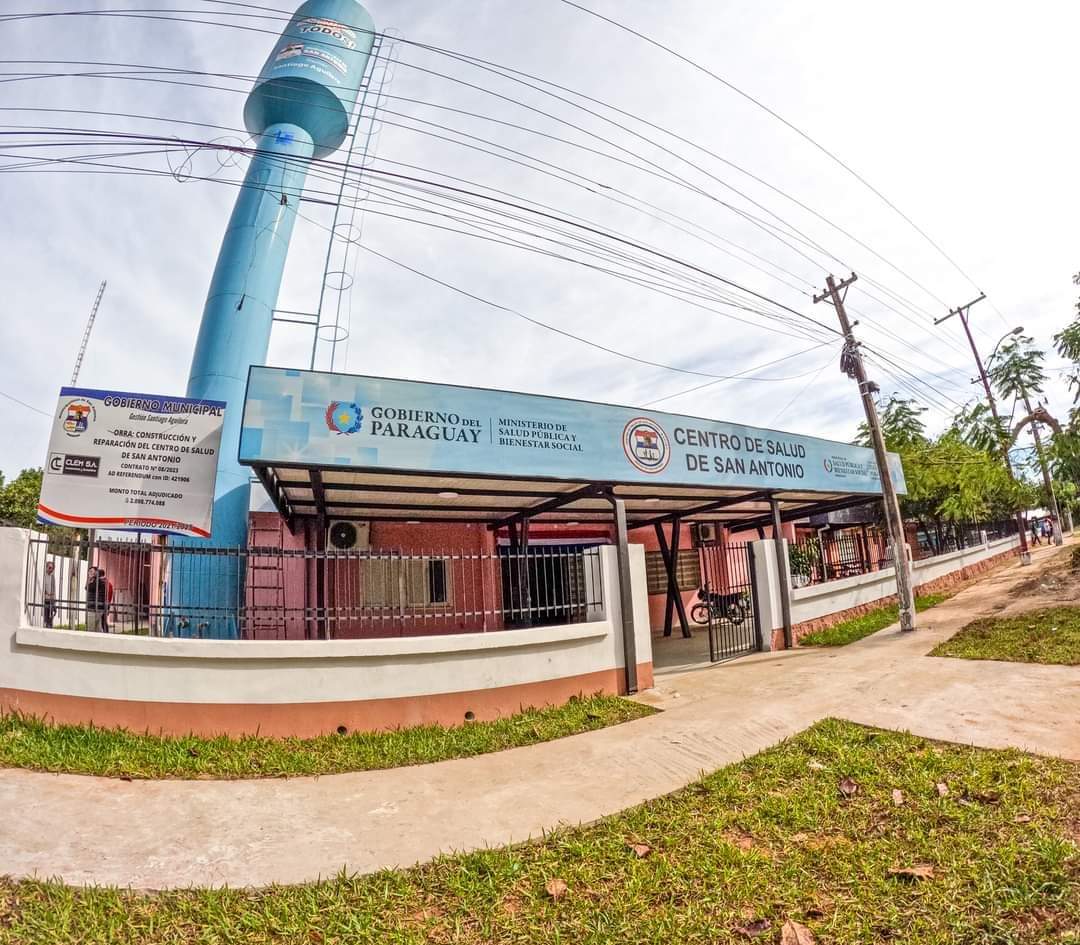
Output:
x,y
950,479
977,427
1067,344
1017,371
19,499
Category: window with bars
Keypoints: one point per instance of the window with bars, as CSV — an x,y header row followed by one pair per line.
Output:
x,y
687,571
406,582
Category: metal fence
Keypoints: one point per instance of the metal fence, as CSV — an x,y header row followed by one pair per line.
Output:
x,y
280,593
832,555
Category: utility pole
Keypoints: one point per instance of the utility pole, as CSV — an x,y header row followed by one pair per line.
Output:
x,y
1047,481
962,311
851,363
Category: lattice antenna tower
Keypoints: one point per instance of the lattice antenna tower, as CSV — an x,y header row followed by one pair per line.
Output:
x,y
86,334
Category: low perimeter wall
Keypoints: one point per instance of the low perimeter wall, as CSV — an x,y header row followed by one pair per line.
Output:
x,y
823,605
307,687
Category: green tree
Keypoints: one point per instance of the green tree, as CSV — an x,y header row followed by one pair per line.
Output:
x,y
950,481
1017,370
977,427
1067,344
19,499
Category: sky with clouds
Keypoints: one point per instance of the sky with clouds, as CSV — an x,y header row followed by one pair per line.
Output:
x,y
958,113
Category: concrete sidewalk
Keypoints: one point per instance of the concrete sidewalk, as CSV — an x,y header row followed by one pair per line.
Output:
x,y
157,834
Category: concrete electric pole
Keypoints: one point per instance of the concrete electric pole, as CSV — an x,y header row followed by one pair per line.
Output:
x,y
962,311
851,363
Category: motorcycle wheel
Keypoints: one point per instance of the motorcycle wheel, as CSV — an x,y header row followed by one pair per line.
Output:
x,y
736,613
699,613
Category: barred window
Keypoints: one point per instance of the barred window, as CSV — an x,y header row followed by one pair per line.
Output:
x,y
687,571
408,582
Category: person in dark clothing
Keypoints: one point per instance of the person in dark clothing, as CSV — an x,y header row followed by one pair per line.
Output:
x,y
48,593
96,601
1035,532
106,599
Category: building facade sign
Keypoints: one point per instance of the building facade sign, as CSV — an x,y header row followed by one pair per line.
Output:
x,y
132,462
308,418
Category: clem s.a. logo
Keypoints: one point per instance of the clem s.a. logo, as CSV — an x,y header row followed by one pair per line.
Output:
x,y
646,445
343,417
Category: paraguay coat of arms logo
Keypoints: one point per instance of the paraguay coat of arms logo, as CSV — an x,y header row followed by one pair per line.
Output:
x,y
343,416
646,445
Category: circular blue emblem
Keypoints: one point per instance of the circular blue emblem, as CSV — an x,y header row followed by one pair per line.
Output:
x,y
344,417
646,445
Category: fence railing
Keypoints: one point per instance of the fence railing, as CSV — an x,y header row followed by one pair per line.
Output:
x,y
850,552
154,589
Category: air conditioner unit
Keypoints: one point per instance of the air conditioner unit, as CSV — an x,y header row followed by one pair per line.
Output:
x,y
704,532
343,535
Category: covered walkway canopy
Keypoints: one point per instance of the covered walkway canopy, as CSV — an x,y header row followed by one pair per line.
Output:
x,y
299,491
336,446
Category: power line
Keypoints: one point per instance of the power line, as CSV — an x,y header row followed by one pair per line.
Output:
x,y
23,403
694,390
802,390
509,73
556,217
757,102
717,378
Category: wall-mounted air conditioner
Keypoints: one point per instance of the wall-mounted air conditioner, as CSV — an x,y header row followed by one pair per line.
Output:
x,y
704,532
342,535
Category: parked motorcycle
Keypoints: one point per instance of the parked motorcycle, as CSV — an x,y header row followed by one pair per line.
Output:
x,y
734,607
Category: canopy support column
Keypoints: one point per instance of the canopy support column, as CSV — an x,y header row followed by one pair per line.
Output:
x,y
626,595
782,571
671,565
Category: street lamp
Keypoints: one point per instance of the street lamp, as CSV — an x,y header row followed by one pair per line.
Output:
x,y
1018,330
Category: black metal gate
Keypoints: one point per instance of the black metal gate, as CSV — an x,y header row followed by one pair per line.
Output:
x,y
727,604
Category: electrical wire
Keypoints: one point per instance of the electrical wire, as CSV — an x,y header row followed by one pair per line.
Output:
x,y
23,403
492,66
694,390
800,392
759,104
241,4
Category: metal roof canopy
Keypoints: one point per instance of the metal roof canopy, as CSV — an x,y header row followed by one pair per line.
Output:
x,y
304,491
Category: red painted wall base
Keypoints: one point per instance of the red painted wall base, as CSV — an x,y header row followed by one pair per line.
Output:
x,y
307,719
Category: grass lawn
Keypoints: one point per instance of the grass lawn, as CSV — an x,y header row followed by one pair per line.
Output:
x,y
1051,635
811,832
31,743
856,628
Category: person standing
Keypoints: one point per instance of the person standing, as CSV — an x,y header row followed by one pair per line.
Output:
x,y
95,601
1035,532
48,594
105,596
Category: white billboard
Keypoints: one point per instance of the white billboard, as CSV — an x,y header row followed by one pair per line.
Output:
x,y
133,462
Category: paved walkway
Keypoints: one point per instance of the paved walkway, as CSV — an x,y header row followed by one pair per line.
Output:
x,y
155,834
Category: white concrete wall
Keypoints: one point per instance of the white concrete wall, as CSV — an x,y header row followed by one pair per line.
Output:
x,y
819,600
114,666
